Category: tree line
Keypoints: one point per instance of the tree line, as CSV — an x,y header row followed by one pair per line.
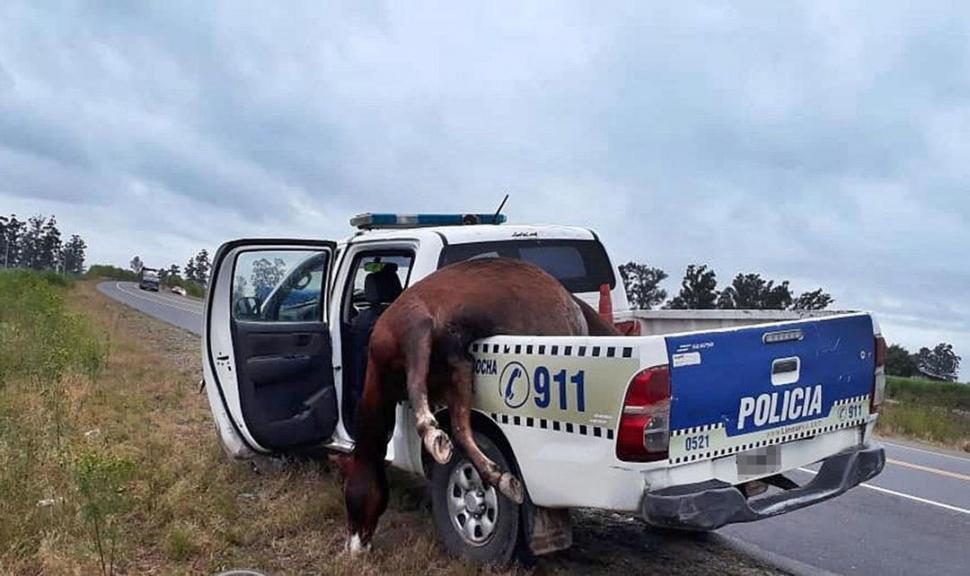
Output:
x,y
699,291
37,243
939,363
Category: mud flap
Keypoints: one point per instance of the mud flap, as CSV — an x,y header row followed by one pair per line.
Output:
x,y
547,530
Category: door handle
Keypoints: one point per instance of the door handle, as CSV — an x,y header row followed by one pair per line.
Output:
x,y
785,365
785,371
303,339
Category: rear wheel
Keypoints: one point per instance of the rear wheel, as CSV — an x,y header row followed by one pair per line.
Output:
x,y
473,520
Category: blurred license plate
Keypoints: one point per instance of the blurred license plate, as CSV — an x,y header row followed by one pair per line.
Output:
x,y
760,461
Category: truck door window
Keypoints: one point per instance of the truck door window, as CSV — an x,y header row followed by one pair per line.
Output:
x,y
279,285
373,262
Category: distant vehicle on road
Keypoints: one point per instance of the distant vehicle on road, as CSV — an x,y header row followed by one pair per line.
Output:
x,y
684,421
148,279
178,290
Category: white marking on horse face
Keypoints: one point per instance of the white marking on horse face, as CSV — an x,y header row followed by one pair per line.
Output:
x,y
355,546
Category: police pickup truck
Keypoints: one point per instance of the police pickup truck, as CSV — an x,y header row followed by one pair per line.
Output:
x,y
690,420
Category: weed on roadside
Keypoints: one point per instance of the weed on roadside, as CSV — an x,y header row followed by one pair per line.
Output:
x,y
101,481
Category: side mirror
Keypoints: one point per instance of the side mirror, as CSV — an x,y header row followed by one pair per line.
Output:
x,y
303,281
246,308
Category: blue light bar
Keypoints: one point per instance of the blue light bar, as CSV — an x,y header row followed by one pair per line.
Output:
x,y
370,221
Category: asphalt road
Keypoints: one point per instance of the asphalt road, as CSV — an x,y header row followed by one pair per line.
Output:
x,y
914,518
180,311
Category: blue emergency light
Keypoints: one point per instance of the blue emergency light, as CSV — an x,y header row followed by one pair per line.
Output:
x,y
368,221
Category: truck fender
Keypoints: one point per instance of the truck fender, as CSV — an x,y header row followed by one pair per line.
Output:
x,y
546,530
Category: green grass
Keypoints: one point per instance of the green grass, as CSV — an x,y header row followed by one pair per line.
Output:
x,y
39,340
927,392
109,462
47,483
937,412
181,543
925,423
98,271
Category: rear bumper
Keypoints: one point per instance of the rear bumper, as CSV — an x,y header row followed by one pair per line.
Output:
x,y
708,505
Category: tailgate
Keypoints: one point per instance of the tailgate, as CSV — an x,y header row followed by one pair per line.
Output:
x,y
754,387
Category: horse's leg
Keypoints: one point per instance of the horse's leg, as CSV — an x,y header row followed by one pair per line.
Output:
x,y
459,405
418,357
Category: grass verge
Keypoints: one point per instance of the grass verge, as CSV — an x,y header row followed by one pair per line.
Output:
x,y
937,412
109,462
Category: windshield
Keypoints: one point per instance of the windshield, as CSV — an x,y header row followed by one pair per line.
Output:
x,y
581,265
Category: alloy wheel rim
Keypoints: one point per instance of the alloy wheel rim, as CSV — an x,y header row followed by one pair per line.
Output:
x,y
472,506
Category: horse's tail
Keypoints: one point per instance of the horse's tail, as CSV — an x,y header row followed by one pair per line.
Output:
x,y
597,325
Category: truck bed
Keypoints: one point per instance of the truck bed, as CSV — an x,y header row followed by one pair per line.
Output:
x,y
734,398
662,322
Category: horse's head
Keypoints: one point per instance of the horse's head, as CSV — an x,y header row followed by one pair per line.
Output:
x,y
365,493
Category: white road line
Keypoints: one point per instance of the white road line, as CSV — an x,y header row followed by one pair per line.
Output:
x,y
917,499
181,300
158,299
119,287
168,296
905,447
904,495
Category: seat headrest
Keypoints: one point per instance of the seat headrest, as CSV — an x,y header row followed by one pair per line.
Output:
x,y
383,286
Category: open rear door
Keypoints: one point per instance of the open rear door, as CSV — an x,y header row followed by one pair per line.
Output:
x,y
266,343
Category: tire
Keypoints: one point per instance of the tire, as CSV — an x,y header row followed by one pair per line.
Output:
x,y
450,499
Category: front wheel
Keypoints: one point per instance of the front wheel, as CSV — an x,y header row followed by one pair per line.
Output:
x,y
473,520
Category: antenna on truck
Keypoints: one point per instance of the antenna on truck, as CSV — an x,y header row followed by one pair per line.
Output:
x,y
500,206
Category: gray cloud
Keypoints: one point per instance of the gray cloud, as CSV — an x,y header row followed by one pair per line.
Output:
x,y
823,142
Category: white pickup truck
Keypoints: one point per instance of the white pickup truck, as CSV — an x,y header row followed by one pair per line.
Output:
x,y
682,422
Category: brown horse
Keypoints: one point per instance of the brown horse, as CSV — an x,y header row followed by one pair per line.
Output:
x,y
419,350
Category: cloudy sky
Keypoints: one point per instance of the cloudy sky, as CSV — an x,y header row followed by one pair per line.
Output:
x,y
821,142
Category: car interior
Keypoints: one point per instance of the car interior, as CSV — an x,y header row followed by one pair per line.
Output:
x,y
382,284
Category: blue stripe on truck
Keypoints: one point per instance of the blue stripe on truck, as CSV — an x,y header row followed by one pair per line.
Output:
x,y
725,377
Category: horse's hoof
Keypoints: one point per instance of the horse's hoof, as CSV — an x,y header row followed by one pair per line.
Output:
x,y
511,488
355,546
438,445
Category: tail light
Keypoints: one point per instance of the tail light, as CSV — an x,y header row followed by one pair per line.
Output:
x,y
644,433
879,377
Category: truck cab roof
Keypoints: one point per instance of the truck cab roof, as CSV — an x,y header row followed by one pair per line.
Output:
x,y
573,254
477,233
